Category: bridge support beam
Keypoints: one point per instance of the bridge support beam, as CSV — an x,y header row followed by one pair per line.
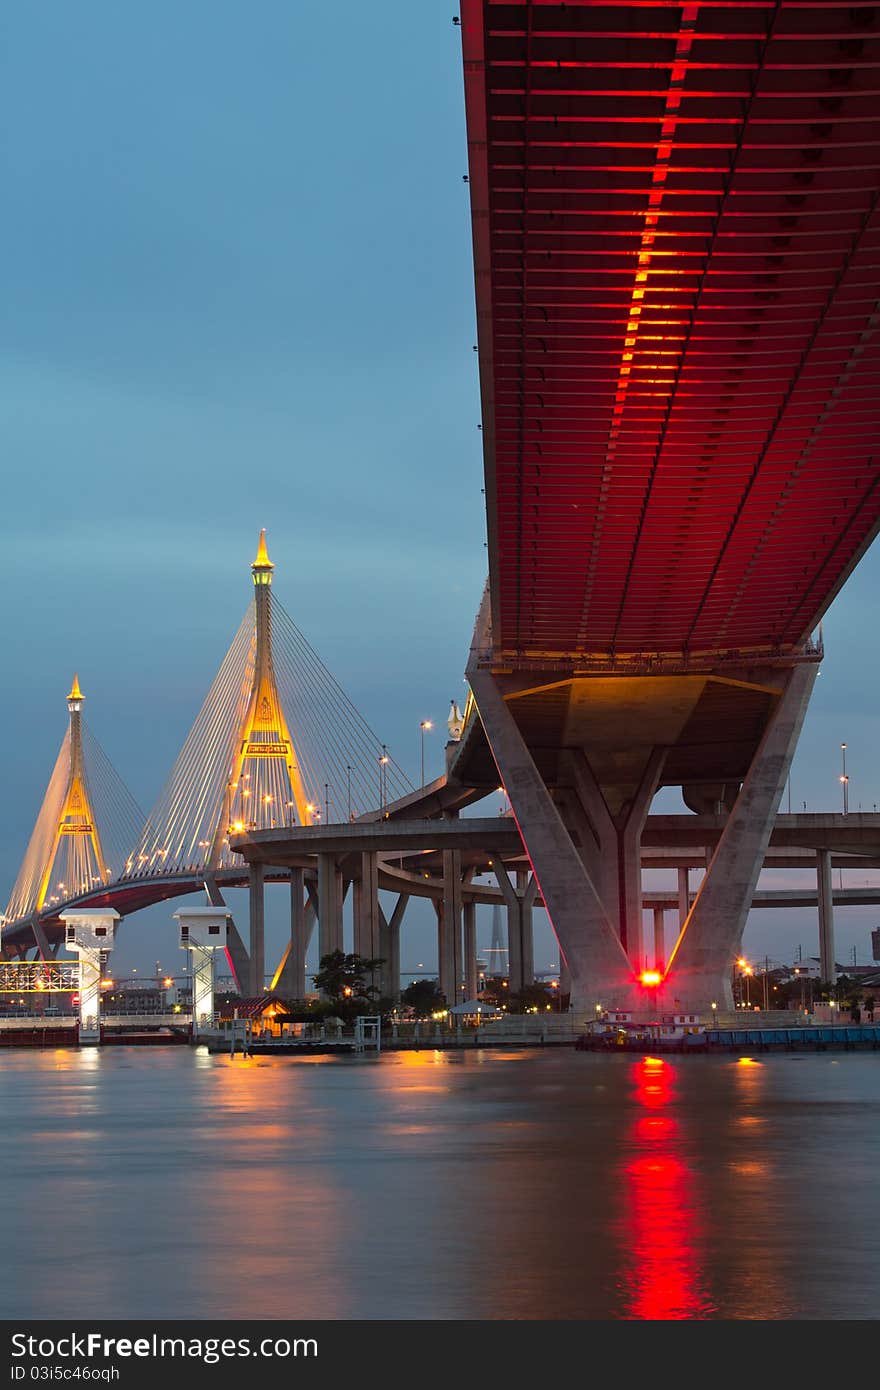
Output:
x,y
43,949
366,912
600,969
700,967
471,983
527,891
513,903
257,890
611,843
449,928
827,961
389,948
290,977
236,951
329,906
684,896
659,939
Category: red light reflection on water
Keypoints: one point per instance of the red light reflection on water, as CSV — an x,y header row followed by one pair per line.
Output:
x,y
662,1228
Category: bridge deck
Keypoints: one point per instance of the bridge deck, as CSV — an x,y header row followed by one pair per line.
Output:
x,y
677,256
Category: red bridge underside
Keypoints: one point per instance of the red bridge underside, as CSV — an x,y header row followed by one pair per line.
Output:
x,y
677,254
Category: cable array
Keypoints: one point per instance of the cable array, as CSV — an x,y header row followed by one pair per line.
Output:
x,y
228,777
61,860
26,890
341,756
180,832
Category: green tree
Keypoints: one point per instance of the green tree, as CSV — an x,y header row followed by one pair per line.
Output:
x,y
532,997
343,978
496,990
423,997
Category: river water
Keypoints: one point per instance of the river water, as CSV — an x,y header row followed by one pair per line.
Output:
x,y
164,1182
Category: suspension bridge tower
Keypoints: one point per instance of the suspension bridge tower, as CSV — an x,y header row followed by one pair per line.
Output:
x,y
76,834
265,786
65,857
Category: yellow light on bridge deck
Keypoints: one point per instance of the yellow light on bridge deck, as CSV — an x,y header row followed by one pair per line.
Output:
x,y
650,977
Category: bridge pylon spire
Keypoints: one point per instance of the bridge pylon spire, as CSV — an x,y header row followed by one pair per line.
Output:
x,y
77,840
65,857
265,785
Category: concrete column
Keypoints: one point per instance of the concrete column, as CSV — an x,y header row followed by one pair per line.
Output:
x,y
659,940
256,885
701,964
236,951
366,909
564,975
389,948
514,926
43,951
449,938
629,826
527,889
290,977
827,962
684,896
471,983
599,966
297,972
329,906
611,848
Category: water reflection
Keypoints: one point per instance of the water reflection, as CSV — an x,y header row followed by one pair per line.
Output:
x,y
663,1228
428,1185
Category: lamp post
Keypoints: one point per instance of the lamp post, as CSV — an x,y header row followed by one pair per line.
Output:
x,y
844,779
423,727
383,763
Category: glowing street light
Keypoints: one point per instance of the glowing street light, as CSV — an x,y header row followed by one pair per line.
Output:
x,y
423,728
747,972
844,780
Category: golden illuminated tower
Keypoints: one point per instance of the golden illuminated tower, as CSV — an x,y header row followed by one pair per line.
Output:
x,y
75,862
265,786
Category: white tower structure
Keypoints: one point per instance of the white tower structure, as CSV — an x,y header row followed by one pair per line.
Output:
x,y
203,932
90,935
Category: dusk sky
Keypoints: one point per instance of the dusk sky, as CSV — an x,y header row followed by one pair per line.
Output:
x,y
239,293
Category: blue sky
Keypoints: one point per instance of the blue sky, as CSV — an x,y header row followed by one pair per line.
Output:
x,y
238,293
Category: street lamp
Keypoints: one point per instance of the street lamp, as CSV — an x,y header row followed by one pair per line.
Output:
x,y
844,780
383,763
423,727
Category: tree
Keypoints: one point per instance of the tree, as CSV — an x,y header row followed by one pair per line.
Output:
x,y
531,997
496,990
343,978
423,997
